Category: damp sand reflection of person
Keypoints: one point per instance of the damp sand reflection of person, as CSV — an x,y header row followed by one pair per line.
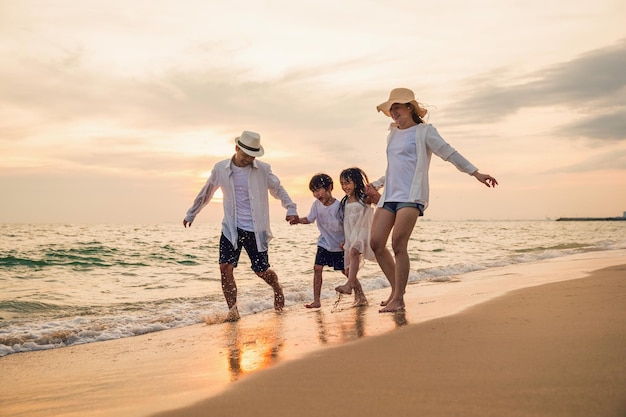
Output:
x,y
347,327
245,183
399,317
252,349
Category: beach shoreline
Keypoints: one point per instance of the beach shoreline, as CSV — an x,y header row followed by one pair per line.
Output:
x,y
177,368
550,350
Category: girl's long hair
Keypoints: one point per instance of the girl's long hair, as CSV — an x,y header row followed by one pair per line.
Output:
x,y
359,178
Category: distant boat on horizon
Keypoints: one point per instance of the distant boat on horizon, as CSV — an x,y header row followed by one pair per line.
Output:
x,y
586,219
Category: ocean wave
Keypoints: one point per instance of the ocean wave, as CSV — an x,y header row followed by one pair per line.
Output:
x,y
15,306
62,288
11,261
124,320
90,258
559,247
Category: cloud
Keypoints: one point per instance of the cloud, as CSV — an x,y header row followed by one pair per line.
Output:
x,y
606,161
608,127
61,90
593,83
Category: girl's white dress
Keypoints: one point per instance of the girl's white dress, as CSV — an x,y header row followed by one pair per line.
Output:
x,y
357,226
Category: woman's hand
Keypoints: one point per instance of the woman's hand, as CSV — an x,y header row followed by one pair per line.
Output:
x,y
486,179
372,194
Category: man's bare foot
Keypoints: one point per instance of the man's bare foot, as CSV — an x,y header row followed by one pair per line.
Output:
x,y
392,307
279,299
344,289
314,304
233,314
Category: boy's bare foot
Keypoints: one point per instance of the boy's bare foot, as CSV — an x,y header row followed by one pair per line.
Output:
x,y
344,289
392,307
314,304
279,299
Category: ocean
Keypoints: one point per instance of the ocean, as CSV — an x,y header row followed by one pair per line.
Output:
x,y
63,285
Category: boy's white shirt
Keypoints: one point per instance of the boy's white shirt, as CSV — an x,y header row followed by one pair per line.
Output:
x,y
329,225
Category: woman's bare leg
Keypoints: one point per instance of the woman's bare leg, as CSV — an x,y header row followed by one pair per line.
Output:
x,y
404,224
381,228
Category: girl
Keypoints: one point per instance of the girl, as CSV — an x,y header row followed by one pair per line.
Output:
x,y
357,221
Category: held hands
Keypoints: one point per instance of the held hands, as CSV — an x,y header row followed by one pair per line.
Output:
x,y
290,219
372,194
486,179
293,219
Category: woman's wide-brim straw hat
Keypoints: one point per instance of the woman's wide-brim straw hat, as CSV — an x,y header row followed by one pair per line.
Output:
x,y
250,143
401,96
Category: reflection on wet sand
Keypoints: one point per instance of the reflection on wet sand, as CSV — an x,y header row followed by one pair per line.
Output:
x,y
253,348
321,327
399,317
338,328
253,345
353,326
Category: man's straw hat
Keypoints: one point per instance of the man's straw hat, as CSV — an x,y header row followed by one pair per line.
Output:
x,y
250,143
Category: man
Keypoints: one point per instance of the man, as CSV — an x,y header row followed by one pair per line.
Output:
x,y
245,183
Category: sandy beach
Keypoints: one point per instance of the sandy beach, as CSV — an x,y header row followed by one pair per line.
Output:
x,y
538,339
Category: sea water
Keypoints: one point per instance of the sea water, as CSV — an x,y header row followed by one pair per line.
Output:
x,y
63,285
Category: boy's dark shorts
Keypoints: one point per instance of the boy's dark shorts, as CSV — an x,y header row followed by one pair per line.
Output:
x,y
246,239
327,258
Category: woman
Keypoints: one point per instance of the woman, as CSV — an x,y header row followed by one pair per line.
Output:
x,y
410,144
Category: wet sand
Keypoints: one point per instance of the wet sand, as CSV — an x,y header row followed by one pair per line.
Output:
x,y
462,348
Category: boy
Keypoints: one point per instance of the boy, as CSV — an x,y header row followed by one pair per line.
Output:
x,y
325,209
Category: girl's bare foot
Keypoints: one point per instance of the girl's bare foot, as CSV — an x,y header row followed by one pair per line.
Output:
x,y
392,307
344,289
360,303
314,304
387,301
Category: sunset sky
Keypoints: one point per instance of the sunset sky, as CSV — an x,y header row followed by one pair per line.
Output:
x,y
116,111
